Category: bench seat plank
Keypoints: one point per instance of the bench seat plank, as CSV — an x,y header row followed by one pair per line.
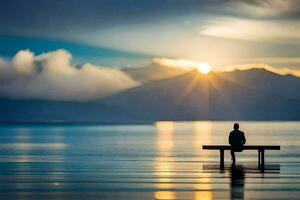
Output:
x,y
246,147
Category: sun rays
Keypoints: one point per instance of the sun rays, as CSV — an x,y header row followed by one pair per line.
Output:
x,y
204,68
204,86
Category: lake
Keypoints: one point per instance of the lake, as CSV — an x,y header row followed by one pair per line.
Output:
x,y
164,160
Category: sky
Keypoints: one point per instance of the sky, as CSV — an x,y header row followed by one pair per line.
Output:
x,y
220,32
131,33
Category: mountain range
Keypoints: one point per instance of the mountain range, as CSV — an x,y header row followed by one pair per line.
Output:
x,y
174,94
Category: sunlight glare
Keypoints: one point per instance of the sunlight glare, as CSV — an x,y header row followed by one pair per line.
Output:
x,y
204,68
164,195
164,163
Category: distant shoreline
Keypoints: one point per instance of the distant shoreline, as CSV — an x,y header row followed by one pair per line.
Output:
x,y
127,123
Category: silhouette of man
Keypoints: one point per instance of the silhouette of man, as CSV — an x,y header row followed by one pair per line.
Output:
x,y
236,140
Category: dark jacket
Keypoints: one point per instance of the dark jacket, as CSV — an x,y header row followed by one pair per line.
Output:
x,y
237,140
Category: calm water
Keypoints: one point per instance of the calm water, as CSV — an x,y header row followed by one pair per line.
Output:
x,y
160,161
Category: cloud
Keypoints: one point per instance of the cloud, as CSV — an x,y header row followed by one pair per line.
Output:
x,y
177,63
280,71
255,30
293,61
160,68
267,8
51,76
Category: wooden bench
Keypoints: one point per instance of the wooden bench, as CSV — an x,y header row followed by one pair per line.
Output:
x,y
261,151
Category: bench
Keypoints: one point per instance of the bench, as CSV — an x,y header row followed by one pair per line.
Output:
x,y
261,151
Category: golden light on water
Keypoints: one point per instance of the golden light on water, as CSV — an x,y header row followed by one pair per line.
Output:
x,y
164,163
204,68
203,195
165,131
203,132
167,169
164,195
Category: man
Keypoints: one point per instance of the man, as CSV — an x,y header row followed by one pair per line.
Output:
x,y
236,140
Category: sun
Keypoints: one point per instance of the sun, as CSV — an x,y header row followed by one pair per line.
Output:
x,y
204,68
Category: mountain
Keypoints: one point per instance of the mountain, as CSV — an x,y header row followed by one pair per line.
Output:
x,y
286,86
153,72
238,95
41,111
194,96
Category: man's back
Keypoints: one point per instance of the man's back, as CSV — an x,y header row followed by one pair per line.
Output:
x,y
237,140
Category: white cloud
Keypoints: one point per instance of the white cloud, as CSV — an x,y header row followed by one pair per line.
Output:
x,y
280,71
51,76
255,30
177,63
267,8
23,62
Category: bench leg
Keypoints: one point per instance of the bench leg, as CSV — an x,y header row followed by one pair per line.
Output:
x,y
263,158
222,159
258,157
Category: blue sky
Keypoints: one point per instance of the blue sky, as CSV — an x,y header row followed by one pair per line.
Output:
x,y
82,53
131,32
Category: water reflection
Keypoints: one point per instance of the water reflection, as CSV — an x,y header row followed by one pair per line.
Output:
x,y
238,174
237,182
135,162
165,131
24,146
164,195
165,170
34,161
203,195
202,133
164,163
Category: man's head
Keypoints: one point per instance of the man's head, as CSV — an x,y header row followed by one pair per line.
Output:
x,y
236,126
